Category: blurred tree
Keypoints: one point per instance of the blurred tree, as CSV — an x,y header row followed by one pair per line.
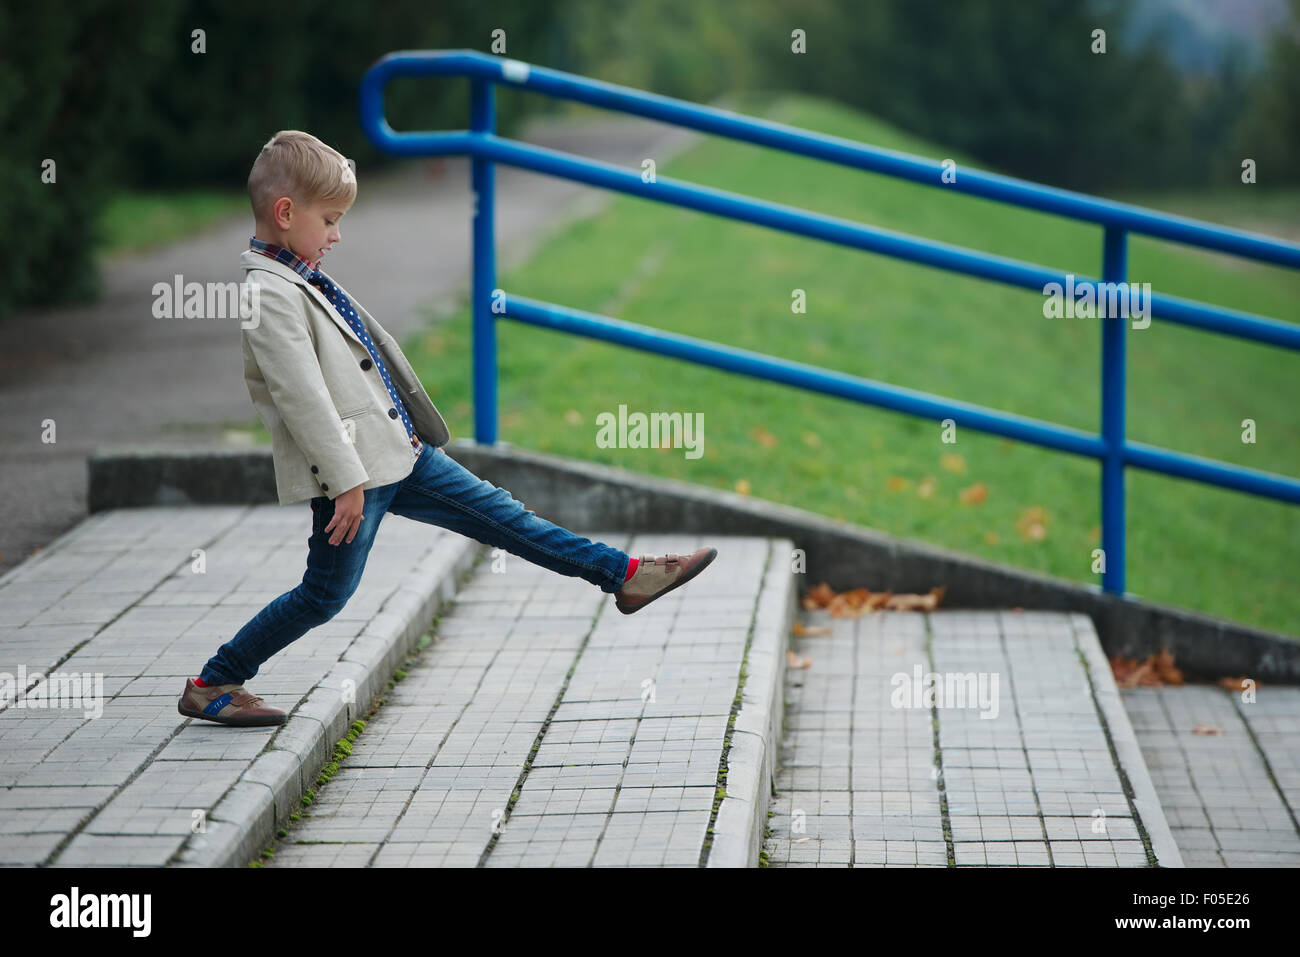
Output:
x,y
1269,132
273,67
1015,84
65,97
114,92
680,48
117,94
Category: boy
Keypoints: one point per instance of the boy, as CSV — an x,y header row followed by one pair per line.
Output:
x,y
354,431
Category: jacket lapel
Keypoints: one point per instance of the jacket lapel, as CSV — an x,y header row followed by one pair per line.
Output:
x,y
255,260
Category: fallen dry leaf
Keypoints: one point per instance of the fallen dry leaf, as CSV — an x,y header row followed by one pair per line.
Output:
x,y
925,488
953,463
794,661
803,631
1127,671
819,596
1239,684
1164,665
857,602
1156,671
918,602
974,495
850,604
763,437
1206,729
991,538
742,486
1032,524
573,417
812,439
896,484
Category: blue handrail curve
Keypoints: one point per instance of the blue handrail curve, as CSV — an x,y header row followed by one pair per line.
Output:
x,y
1110,446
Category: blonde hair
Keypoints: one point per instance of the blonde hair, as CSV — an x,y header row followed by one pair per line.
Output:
x,y
298,165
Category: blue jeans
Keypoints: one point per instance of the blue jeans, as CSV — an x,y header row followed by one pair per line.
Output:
x,y
439,491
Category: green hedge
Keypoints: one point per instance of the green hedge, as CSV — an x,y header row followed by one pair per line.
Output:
x,y
114,92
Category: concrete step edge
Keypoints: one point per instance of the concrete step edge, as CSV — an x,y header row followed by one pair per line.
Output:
x,y
238,828
1129,753
741,823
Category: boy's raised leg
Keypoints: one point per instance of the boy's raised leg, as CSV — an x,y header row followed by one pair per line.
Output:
x,y
443,492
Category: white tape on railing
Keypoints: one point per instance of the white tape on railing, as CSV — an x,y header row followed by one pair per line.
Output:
x,y
516,71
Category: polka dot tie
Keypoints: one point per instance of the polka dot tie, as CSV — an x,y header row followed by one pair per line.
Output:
x,y
343,306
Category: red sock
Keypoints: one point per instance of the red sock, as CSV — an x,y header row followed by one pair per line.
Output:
x,y
200,683
631,567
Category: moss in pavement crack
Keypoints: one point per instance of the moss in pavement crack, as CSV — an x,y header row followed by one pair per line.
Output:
x,y
343,748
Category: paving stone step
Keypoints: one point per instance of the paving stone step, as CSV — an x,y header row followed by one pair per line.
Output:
x,y
1022,756
525,737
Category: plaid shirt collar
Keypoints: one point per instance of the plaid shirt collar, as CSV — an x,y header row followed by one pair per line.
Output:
x,y
286,256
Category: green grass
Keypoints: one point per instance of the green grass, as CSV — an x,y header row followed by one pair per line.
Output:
x,y
1275,211
1221,552
135,220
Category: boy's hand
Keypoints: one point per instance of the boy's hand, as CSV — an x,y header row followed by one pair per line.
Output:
x,y
348,513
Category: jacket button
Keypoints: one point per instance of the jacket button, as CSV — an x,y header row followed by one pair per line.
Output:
x,y
324,487
366,364
314,469
392,413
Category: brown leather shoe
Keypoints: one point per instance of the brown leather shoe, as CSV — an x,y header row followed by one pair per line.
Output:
x,y
227,704
657,576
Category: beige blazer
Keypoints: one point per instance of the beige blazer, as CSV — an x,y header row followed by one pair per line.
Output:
x,y
329,417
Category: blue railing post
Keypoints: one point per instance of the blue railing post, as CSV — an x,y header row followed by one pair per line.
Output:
x,y
483,185
1111,447
1114,386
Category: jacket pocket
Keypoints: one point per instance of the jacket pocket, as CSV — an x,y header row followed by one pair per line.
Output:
x,y
354,413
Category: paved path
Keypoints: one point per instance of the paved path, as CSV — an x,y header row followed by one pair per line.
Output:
x,y
110,373
541,728
123,782
545,729
1028,775
537,688
1232,798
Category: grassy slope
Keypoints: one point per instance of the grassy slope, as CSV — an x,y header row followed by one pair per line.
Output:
x,y
1221,552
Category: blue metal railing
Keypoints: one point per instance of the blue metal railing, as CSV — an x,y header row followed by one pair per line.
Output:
x,y
1110,447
